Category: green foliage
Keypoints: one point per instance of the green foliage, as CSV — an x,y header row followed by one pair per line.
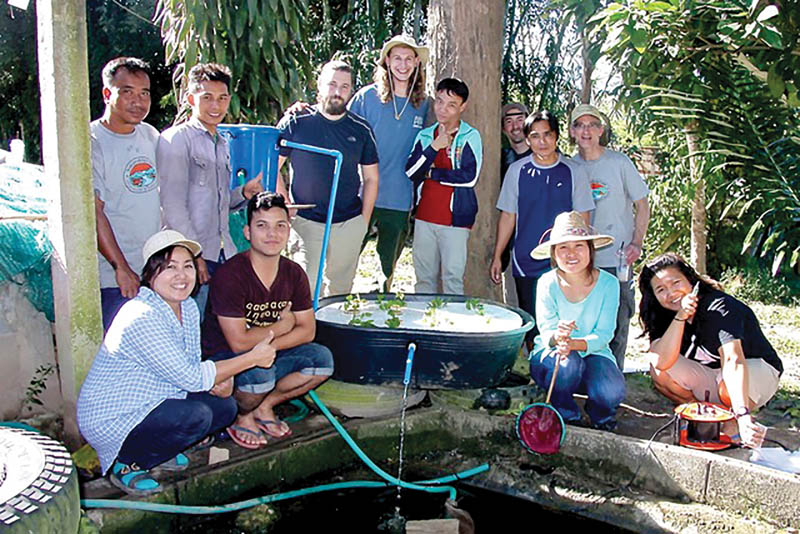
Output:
x,y
753,283
264,42
726,72
541,62
119,28
36,386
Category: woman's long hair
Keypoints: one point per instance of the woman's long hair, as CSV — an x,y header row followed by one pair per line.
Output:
x,y
652,316
384,84
159,261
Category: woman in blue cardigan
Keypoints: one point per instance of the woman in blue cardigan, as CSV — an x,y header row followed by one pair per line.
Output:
x,y
576,311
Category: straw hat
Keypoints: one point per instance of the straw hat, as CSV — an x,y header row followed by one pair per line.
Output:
x,y
403,40
569,226
168,238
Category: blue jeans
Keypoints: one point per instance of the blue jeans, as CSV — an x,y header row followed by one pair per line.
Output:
x,y
595,376
201,297
111,300
174,426
309,359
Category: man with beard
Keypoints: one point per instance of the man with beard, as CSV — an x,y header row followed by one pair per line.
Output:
x,y
512,118
395,107
330,125
124,180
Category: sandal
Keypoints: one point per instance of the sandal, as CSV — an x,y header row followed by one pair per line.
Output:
x,y
264,425
133,480
177,463
234,430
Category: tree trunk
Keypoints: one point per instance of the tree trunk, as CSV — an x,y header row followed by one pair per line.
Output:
x,y
588,67
466,41
698,231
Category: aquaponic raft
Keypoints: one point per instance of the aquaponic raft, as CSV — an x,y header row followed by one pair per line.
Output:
x,y
461,343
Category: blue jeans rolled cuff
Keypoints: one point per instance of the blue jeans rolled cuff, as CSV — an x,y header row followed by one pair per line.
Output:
x,y
595,376
308,359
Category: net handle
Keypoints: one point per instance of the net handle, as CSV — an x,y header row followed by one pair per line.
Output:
x,y
553,380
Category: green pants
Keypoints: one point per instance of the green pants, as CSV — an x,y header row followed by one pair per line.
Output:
x,y
392,227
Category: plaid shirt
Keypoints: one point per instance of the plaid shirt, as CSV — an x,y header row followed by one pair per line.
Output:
x,y
147,356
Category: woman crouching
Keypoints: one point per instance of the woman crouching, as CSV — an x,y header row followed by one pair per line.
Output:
x,y
148,396
576,311
705,344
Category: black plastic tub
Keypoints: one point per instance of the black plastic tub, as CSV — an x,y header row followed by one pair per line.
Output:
x,y
452,360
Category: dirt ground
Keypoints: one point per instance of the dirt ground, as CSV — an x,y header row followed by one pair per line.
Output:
x,y
644,410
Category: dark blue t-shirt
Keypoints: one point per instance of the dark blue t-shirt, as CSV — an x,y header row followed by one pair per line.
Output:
x,y
536,195
312,174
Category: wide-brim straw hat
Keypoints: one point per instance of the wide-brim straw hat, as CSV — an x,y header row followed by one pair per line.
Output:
x,y
569,226
168,238
403,40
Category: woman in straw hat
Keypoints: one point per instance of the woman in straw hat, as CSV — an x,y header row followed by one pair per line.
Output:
x,y
576,308
148,396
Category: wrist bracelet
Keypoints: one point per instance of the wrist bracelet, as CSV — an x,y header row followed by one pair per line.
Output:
x,y
679,320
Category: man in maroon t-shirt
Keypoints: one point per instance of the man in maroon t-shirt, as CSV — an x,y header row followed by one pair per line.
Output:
x,y
260,294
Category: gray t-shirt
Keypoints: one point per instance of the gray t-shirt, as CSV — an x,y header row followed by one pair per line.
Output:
x,y
124,178
616,185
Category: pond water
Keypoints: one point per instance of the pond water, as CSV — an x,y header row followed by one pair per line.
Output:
x,y
375,511
469,317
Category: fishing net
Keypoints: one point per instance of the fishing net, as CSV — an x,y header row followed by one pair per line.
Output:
x,y
25,247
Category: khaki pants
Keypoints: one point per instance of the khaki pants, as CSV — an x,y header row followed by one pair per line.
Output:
x,y
439,251
341,259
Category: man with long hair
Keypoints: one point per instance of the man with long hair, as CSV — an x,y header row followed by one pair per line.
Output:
x,y
395,107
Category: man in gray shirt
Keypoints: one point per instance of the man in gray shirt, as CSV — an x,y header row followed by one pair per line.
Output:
x,y
123,150
622,211
195,170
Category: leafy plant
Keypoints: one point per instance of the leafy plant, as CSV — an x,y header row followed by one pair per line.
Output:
x,y
475,305
37,385
431,315
753,282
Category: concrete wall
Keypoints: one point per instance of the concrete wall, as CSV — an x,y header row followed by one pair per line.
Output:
x,y
26,342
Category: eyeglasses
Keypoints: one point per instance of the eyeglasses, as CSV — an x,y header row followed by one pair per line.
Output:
x,y
587,125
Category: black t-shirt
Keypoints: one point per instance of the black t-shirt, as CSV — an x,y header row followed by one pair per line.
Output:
x,y
719,319
312,173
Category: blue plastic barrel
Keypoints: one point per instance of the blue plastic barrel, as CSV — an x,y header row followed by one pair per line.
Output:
x,y
253,149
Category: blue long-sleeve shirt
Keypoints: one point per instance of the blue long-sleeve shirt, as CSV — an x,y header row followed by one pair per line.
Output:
x,y
595,316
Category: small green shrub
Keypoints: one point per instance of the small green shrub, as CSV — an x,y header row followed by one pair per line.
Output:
x,y
753,282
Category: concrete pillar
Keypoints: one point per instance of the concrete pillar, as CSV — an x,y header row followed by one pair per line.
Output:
x,y
64,86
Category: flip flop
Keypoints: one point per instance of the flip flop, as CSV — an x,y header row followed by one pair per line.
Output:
x,y
264,425
234,429
133,480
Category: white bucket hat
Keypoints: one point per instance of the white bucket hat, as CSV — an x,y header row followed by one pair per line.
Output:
x,y
569,226
168,238
403,40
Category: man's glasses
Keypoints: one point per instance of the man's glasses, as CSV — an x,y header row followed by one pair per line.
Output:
x,y
587,125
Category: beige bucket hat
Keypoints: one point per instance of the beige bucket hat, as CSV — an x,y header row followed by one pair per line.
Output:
x,y
403,40
168,238
569,226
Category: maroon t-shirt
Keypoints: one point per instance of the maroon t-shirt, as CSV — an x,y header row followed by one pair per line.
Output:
x,y
236,291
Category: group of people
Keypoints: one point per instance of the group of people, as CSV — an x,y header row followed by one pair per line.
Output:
x,y
200,338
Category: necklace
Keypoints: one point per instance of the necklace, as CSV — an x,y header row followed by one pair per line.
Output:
x,y
408,98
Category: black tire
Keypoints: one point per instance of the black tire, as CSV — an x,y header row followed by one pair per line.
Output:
x,y
38,485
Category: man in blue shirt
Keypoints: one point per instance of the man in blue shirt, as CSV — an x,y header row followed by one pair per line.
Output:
x,y
395,107
535,190
330,125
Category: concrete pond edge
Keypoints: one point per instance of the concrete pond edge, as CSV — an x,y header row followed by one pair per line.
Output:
x,y
628,482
